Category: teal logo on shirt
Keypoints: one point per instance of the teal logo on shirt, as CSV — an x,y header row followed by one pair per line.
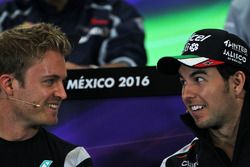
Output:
x,y
46,163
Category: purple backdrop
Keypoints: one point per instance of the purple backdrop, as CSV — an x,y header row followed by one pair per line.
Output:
x,y
125,132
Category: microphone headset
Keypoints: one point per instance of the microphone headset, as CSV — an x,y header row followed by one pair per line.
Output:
x,y
36,105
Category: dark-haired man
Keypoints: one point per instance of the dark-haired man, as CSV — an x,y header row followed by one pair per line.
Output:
x,y
214,72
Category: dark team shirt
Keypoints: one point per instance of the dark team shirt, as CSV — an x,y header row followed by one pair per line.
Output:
x,y
101,32
42,150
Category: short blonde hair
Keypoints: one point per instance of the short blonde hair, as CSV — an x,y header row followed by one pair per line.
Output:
x,y
20,46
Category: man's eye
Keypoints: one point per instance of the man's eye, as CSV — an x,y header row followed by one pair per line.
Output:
x,y
182,81
199,79
49,81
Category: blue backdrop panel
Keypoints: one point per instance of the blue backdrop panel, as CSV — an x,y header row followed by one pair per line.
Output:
x,y
125,132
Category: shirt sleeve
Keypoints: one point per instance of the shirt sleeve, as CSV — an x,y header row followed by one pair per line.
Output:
x,y
78,157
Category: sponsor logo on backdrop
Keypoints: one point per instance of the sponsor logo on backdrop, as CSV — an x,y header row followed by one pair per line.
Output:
x,y
108,82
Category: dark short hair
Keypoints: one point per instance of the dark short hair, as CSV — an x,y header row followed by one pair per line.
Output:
x,y
227,70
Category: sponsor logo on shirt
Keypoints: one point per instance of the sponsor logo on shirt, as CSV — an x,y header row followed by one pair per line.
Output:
x,y
189,164
46,163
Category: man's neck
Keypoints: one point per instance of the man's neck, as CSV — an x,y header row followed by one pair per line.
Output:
x,y
12,129
225,137
12,133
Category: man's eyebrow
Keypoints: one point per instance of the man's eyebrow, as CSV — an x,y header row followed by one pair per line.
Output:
x,y
53,76
198,72
194,73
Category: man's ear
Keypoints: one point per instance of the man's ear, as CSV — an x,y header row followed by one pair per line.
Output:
x,y
238,79
6,84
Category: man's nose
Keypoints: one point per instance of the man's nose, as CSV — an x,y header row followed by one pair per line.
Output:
x,y
60,91
189,91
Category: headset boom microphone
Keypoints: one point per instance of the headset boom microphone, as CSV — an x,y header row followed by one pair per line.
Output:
x,y
26,102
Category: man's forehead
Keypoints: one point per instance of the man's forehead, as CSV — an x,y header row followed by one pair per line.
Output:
x,y
194,71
